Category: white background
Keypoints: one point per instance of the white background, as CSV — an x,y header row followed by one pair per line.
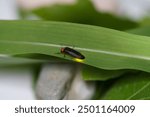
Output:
x,y
7,108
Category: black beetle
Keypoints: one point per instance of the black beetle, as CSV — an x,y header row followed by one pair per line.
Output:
x,y
71,52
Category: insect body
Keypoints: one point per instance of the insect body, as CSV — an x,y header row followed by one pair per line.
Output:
x,y
71,52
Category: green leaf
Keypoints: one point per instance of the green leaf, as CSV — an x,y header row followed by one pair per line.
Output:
x,y
130,87
94,74
109,89
90,73
103,48
83,12
10,61
145,22
145,30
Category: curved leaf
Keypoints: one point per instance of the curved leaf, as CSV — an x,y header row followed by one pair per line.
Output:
x,y
103,48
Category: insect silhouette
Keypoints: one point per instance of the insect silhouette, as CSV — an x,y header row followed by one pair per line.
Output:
x,y
71,52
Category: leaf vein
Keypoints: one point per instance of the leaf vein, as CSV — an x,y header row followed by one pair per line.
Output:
x,y
82,49
138,91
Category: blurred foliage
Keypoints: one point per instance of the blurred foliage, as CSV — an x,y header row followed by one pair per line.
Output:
x,y
145,22
91,73
130,87
83,12
145,30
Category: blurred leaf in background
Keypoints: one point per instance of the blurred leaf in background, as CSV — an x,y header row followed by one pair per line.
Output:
x,y
130,87
82,12
143,28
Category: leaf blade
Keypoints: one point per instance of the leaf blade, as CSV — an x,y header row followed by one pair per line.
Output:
x,y
103,49
130,87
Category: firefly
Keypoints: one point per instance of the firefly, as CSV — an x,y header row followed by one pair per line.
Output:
x,y
73,53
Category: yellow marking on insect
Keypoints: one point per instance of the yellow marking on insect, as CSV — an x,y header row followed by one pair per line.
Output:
x,y
78,60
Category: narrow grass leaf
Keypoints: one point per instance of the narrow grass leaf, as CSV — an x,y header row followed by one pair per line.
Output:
x,y
105,48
